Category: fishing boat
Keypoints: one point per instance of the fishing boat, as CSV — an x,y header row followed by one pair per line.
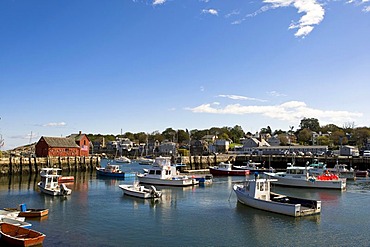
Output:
x,y
226,169
57,171
296,176
256,193
140,191
163,173
49,183
19,236
343,171
111,170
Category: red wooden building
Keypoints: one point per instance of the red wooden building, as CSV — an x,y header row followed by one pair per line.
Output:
x,y
73,145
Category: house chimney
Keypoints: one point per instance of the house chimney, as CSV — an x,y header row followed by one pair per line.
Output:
x,y
80,132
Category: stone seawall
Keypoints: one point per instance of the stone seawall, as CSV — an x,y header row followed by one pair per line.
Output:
x,y
20,165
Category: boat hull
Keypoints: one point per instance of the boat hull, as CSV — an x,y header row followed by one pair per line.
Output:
x,y
140,192
18,236
180,182
30,213
121,174
295,209
221,172
54,191
339,184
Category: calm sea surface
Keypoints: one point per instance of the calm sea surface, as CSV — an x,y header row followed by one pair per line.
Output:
x,y
98,214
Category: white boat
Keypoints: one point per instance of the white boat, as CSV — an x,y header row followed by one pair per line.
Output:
x,y
140,191
296,176
163,173
343,171
49,183
144,161
122,159
15,221
252,167
256,193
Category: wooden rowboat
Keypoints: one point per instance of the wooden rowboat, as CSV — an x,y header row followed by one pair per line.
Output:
x,y
19,236
34,213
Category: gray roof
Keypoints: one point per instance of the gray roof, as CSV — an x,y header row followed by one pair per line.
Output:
x,y
60,142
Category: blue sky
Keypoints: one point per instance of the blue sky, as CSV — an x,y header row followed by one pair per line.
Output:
x,y
134,65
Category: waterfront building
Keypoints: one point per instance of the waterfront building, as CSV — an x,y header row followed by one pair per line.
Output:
x,y
73,145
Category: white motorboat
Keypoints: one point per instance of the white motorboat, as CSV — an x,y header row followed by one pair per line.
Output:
x,y
144,161
256,193
163,173
296,176
140,191
49,183
122,159
252,167
343,171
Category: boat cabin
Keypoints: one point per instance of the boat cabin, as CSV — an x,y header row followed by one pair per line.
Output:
x,y
162,168
112,168
259,188
225,166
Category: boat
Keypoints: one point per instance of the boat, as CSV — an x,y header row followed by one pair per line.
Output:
x,y
343,171
256,193
33,213
140,191
15,222
316,167
19,236
163,173
362,174
58,171
49,183
144,161
297,176
23,211
226,169
253,167
204,179
122,159
111,170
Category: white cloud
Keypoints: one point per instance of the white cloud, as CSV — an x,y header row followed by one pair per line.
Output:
x,y
210,11
276,94
238,97
291,111
366,9
314,14
158,2
234,12
55,124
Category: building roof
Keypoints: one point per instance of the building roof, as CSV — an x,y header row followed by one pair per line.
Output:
x,y
60,142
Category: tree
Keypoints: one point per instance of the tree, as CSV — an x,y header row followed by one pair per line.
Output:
x,y
304,136
236,133
339,137
182,136
169,134
311,124
323,140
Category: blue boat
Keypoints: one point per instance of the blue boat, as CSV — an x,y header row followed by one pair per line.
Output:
x,y
113,171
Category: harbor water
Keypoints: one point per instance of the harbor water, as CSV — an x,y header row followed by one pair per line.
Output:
x,y
98,214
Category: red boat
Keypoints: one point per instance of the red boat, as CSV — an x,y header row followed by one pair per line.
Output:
x,y
225,169
19,236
